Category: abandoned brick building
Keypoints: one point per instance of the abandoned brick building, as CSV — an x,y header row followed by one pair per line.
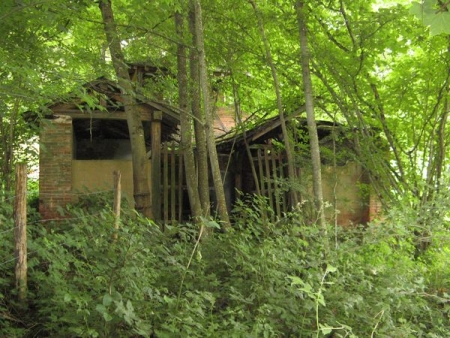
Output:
x,y
81,147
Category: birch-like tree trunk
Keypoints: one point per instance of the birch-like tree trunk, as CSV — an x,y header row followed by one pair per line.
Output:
x,y
310,117
287,144
8,132
209,119
200,135
141,187
186,122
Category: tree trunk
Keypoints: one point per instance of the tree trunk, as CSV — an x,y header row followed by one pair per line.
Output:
x,y
142,196
8,132
288,146
20,232
209,126
186,123
311,121
199,123
237,108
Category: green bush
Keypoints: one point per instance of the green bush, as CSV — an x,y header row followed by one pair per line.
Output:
x,y
260,279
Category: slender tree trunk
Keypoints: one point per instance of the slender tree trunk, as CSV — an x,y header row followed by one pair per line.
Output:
x,y
288,146
442,145
309,104
209,126
199,123
237,108
186,123
8,133
20,232
142,196
6,172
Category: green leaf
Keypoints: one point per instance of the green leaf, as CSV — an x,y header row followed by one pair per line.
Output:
x,y
107,300
437,21
325,329
296,280
212,224
320,299
142,328
331,268
104,311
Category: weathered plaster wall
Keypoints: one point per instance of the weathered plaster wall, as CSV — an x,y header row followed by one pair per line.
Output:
x,y
346,193
97,175
345,189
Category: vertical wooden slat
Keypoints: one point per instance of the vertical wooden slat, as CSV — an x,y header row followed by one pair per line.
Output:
x,y
20,231
276,178
117,200
261,173
180,185
238,175
166,186
299,176
156,164
173,186
267,155
280,158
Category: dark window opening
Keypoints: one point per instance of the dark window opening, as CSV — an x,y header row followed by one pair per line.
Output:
x,y
99,139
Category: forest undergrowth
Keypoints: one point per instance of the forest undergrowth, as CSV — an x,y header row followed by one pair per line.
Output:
x,y
260,279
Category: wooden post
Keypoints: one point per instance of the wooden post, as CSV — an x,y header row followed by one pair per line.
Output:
x,y
165,182
173,184
277,189
20,231
156,164
117,200
180,185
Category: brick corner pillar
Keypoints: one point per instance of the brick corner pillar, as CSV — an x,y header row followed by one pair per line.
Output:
x,y
375,207
156,165
55,165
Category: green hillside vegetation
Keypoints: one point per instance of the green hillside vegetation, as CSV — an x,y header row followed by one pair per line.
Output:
x,y
378,69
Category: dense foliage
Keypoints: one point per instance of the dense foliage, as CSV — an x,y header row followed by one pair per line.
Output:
x,y
376,68
258,280
374,65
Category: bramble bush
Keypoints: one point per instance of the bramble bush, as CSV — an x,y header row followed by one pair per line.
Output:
x,y
260,279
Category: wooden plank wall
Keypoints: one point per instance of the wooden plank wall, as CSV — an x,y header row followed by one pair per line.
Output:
x,y
270,169
269,164
172,185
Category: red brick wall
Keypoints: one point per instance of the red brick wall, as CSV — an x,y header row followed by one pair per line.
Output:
x,y
375,207
55,166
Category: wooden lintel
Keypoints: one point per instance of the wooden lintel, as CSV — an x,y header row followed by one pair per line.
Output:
x,y
101,115
157,115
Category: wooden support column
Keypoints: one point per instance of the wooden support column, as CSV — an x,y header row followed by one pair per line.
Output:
x,y
20,231
156,165
117,176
